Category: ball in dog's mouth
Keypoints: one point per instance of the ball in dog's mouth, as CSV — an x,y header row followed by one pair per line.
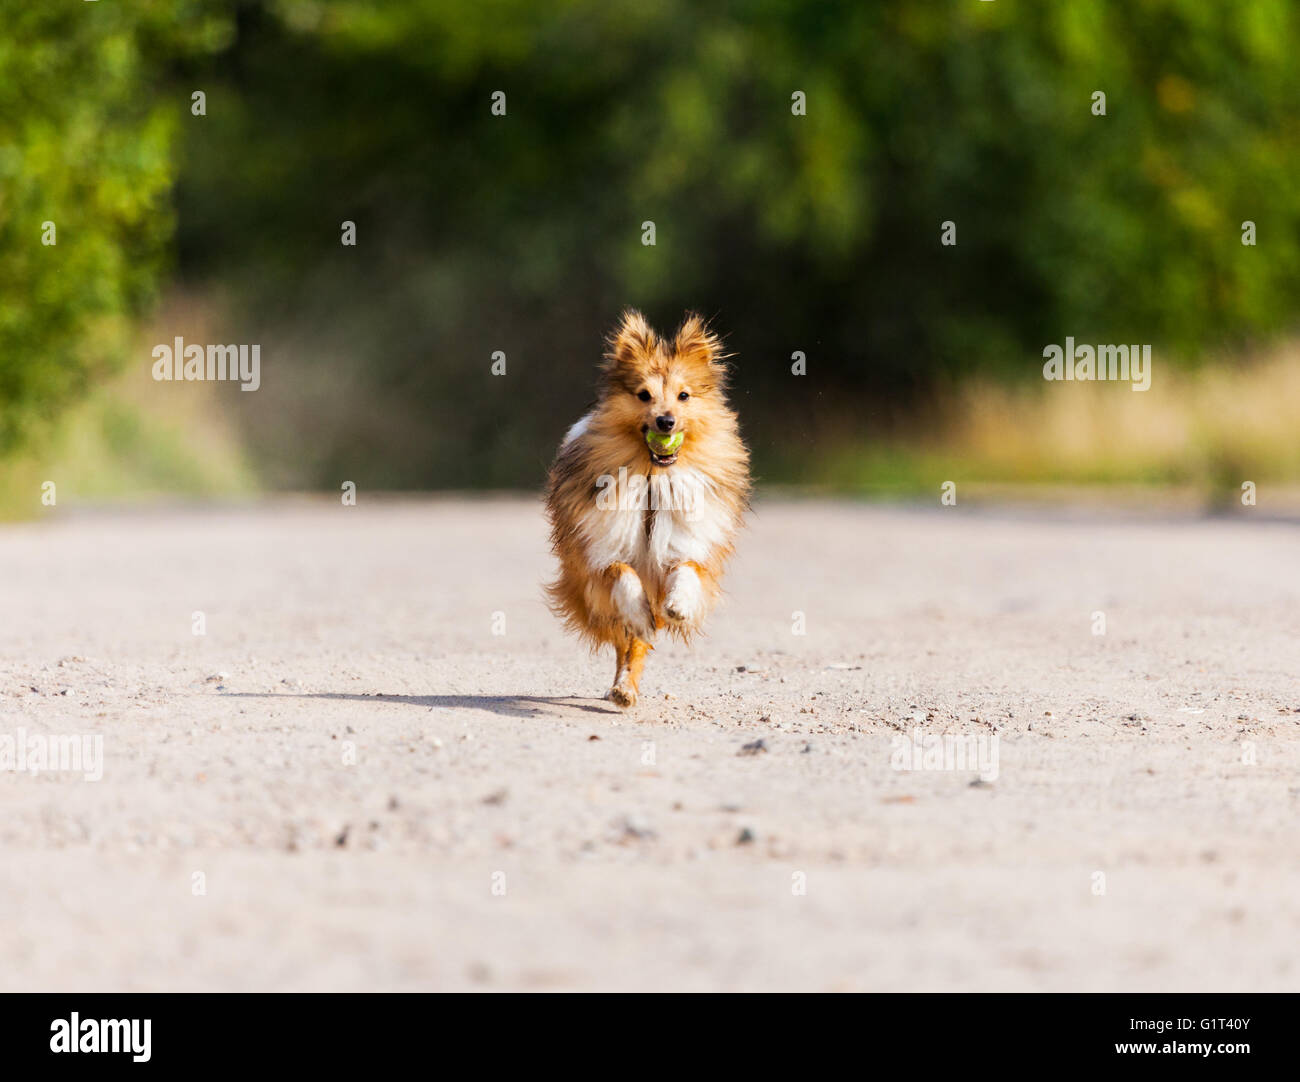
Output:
x,y
663,446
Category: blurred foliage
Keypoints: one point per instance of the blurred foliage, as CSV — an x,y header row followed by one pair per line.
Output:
x,y
522,233
116,446
85,144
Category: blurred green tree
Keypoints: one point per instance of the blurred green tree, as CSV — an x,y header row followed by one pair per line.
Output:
x,y
818,231
85,181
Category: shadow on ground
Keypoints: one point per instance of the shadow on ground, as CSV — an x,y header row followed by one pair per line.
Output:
x,y
515,706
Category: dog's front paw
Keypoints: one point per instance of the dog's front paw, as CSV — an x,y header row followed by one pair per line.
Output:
x,y
622,694
633,606
685,601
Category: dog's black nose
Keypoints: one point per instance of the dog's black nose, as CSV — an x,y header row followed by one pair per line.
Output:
x,y
665,422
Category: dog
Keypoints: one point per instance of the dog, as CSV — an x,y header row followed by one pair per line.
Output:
x,y
646,496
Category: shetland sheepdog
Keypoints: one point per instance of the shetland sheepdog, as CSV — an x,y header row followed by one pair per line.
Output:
x,y
646,496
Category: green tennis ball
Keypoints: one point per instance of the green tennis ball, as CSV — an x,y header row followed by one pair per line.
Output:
x,y
664,443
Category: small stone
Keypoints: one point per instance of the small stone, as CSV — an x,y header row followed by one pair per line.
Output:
x,y
636,829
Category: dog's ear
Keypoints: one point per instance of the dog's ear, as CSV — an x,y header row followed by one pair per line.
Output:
x,y
697,345
630,344
696,342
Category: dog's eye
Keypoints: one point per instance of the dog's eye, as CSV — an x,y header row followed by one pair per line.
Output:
x,y
683,397
643,395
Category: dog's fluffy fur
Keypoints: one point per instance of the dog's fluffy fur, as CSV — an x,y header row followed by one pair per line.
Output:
x,y
642,539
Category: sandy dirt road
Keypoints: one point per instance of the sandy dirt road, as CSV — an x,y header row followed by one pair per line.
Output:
x,y
351,782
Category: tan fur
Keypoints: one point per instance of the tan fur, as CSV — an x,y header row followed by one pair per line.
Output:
x,y
621,524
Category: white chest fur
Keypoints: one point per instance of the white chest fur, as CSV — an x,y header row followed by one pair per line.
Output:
x,y
654,525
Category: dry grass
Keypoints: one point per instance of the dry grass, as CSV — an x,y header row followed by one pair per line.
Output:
x,y
1194,436
1219,425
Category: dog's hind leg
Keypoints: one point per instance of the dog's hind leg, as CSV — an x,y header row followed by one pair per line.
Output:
x,y
631,660
620,660
618,692
636,662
